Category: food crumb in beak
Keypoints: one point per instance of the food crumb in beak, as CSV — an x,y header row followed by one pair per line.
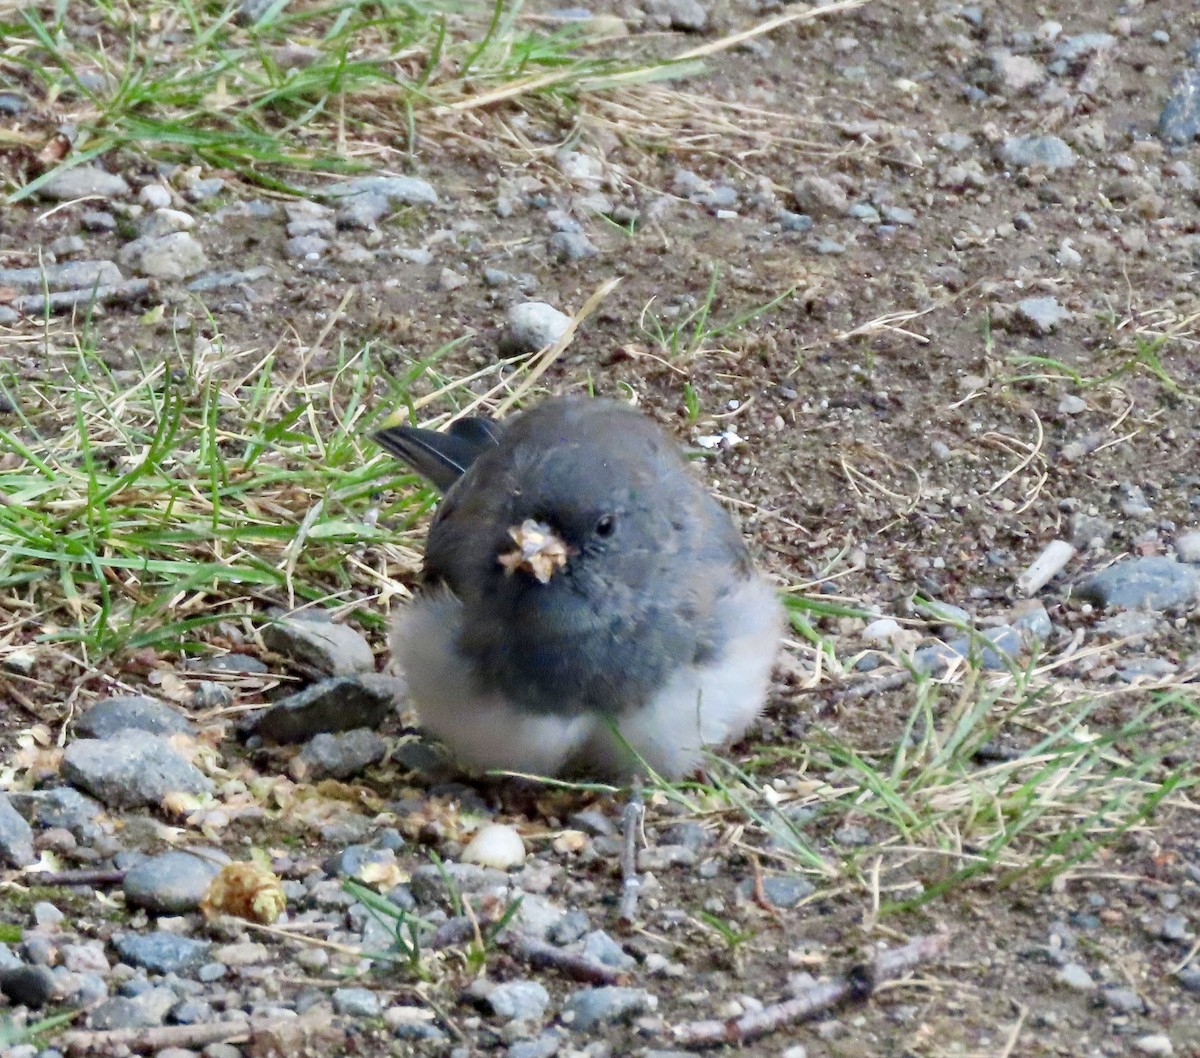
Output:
x,y
540,551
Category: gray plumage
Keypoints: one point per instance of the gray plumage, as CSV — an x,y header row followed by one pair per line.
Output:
x,y
652,637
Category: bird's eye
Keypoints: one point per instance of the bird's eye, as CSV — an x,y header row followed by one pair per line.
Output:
x,y
606,525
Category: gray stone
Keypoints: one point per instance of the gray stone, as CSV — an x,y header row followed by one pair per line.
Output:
x,y
211,281
174,256
161,952
28,986
1076,978
1187,546
781,890
339,704
572,246
338,756
432,883
74,275
172,883
60,807
336,649
1179,122
592,1008
532,325
518,1000
131,712
406,190
16,837
1123,1000
84,181
1129,624
305,247
818,196
356,1002
1044,152
547,1045
1146,669
363,211
1152,582
1041,316
1083,45
131,770
142,1011
600,946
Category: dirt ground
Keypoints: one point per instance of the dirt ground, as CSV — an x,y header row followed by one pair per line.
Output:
x,y
902,431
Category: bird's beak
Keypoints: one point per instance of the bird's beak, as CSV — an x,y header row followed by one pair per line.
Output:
x,y
540,551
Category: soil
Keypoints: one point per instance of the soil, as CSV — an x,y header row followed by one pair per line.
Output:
x,y
902,432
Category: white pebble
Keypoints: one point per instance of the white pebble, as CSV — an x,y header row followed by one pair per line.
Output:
x,y
496,845
1054,556
1156,1044
155,196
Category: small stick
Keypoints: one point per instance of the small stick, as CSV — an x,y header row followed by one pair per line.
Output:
x,y
83,876
856,986
569,964
631,883
157,1038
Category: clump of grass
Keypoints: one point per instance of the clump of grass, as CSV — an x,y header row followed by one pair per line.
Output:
x,y
990,781
138,506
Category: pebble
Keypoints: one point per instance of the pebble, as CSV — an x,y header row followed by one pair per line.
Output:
x,y
28,986
161,952
73,275
60,808
1076,978
1156,1043
335,649
404,190
495,845
356,1002
1044,152
84,181
172,883
599,946
781,890
16,837
131,712
518,1000
338,704
1187,546
572,246
1179,120
532,325
131,770
337,756
818,196
170,257
592,1008
1153,582
1041,316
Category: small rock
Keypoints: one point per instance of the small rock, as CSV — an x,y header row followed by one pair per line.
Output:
x,y
336,649
337,756
518,1000
174,882
781,890
495,845
363,212
131,712
155,196
60,808
1044,152
599,946
1076,978
819,196
16,837
74,275
531,326
84,181
1156,1043
339,704
356,1002
98,220
1041,316
131,770
1153,582
1014,74
1179,121
1187,546
1122,1000
28,986
591,1008
572,246
305,248
405,190
161,952
449,279
1071,404
175,256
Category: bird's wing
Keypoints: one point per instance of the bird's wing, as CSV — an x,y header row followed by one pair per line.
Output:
x,y
441,457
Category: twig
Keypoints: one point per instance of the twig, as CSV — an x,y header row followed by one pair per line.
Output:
x,y
160,1037
631,883
856,986
84,876
875,685
569,964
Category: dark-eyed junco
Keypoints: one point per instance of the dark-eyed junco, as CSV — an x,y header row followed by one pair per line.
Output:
x,y
587,607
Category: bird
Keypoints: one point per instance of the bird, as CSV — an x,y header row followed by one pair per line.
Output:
x,y
586,607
